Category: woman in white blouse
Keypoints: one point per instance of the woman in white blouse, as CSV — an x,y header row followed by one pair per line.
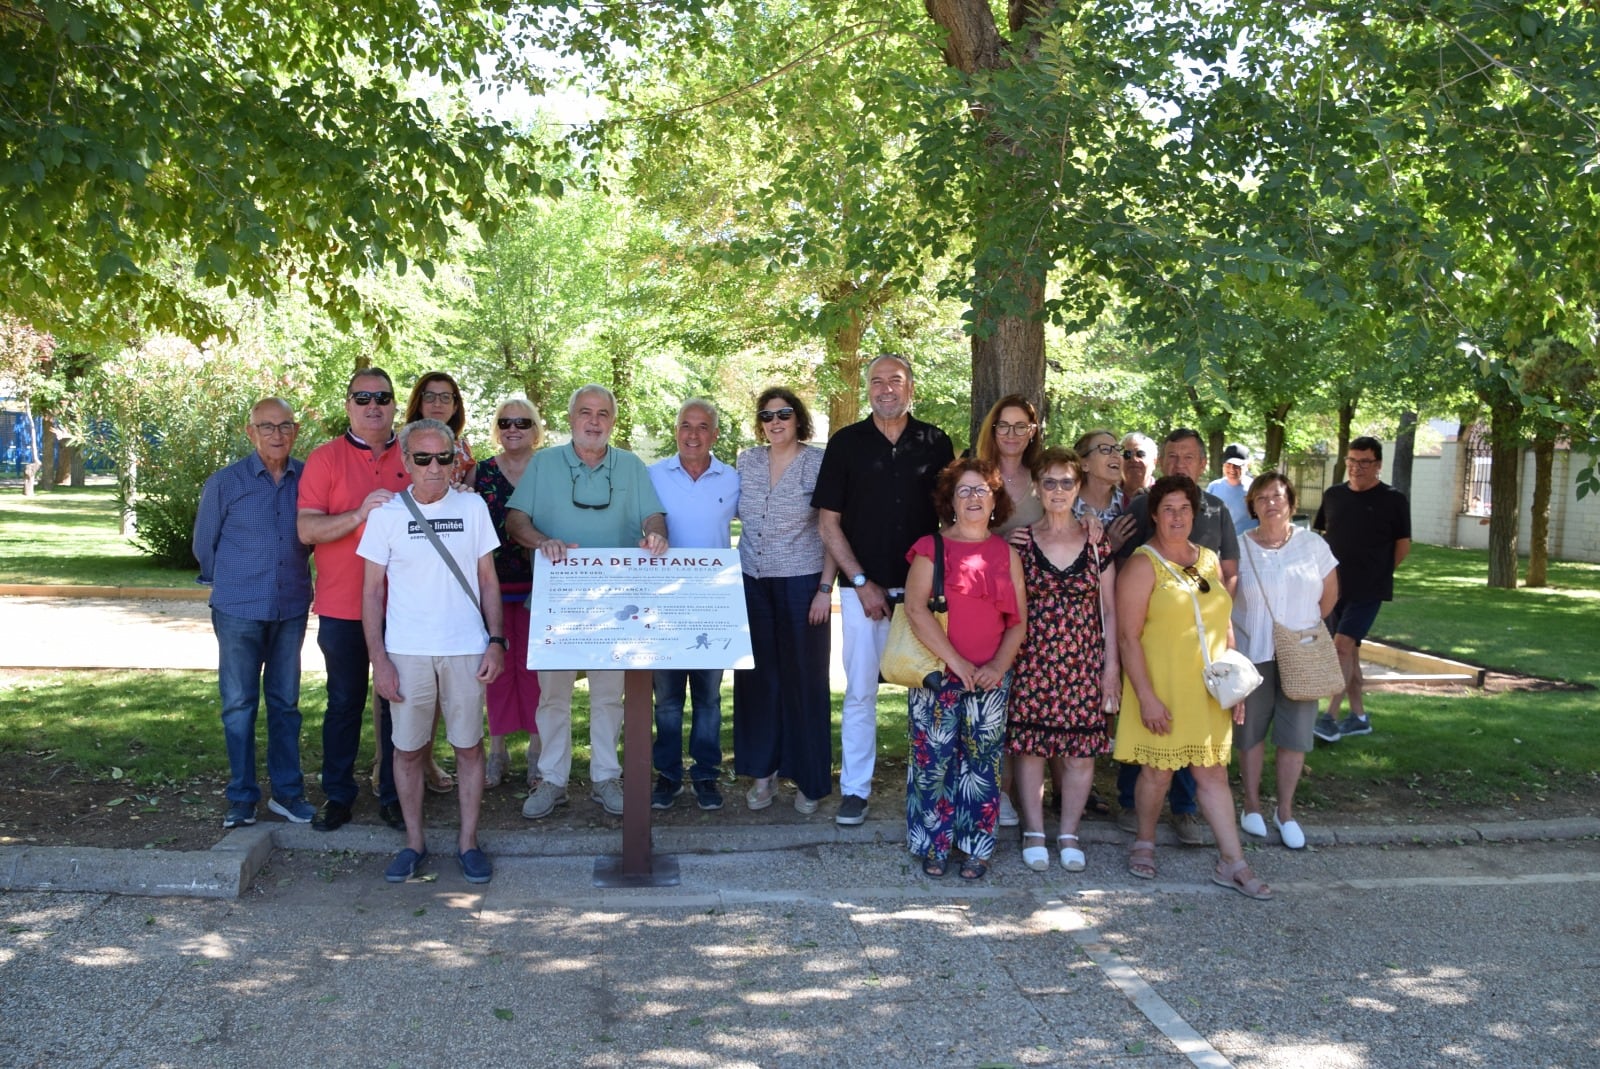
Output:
x,y
782,708
1289,573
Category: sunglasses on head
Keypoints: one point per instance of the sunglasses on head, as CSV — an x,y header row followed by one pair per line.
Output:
x,y
521,423
372,397
422,460
767,415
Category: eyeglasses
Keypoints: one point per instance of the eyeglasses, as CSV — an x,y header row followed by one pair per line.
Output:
x,y
274,428
521,423
1134,454
431,398
1015,430
1352,462
972,491
1105,449
372,397
1049,485
767,415
1194,573
590,505
422,460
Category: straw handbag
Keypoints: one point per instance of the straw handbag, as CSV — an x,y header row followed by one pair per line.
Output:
x,y
906,660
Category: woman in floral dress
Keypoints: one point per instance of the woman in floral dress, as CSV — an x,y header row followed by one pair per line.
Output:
x,y
1065,687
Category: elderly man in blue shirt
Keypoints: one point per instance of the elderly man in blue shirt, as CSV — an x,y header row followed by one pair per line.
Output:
x,y
256,566
701,495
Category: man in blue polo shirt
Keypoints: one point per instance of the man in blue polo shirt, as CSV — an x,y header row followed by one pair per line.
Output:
x,y
701,495
256,566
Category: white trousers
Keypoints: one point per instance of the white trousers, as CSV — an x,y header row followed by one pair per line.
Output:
x,y
864,640
554,717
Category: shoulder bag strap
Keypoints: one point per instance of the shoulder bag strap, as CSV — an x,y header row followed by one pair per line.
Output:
x,y
1194,596
1250,560
433,538
936,599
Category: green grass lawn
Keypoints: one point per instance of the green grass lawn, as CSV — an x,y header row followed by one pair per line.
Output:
x,y
69,537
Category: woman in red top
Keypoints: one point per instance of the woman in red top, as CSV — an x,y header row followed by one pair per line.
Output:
x,y
958,730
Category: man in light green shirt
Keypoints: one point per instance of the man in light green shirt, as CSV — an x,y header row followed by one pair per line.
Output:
x,y
585,494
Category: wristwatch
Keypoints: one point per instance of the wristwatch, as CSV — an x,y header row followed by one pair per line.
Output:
x,y
825,588
499,640
858,580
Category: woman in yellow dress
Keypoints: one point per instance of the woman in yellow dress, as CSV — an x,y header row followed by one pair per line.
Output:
x,y
1169,719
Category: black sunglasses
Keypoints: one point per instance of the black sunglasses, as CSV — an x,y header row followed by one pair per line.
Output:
x,y
1194,573
372,397
586,505
1133,454
767,415
422,460
521,423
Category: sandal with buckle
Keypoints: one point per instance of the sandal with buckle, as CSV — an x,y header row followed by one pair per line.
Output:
x,y
1142,860
1072,858
438,780
1036,858
1237,875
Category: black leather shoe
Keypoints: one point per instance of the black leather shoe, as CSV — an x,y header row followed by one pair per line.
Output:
x,y
332,815
393,816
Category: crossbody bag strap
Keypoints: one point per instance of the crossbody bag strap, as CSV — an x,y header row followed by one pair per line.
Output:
x,y
936,598
433,539
1249,559
1194,596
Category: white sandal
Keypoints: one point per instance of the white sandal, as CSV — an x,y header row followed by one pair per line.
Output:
x,y
1036,858
1072,858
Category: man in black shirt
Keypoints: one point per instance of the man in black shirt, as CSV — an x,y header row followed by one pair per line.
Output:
x,y
874,498
1368,526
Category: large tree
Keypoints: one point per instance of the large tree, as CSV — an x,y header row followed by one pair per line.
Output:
x,y
247,145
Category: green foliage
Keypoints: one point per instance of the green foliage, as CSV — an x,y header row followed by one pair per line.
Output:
x,y
179,416
243,145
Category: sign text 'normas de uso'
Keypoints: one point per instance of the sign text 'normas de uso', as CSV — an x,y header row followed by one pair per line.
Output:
x,y
603,608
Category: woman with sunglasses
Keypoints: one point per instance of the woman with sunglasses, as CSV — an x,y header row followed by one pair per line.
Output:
x,y
513,697
782,708
436,396
1101,494
1067,683
1169,720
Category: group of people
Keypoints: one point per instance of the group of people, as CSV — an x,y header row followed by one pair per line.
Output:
x,y
1075,586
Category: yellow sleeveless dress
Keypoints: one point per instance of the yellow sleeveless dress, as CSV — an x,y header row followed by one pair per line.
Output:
x,y
1202,731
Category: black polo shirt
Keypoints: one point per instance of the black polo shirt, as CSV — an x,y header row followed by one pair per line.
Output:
x,y
883,492
1361,527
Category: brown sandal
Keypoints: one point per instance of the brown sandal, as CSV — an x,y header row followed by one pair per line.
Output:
x,y
1237,875
1142,860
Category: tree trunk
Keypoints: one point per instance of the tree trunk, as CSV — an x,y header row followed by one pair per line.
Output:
x,y
47,454
1347,416
844,351
622,364
1216,439
1277,419
1405,448
80,474
1505,459
1011,359
1544,457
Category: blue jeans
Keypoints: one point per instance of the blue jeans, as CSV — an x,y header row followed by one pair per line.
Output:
x,y
344,651
705,727
253,655
1180,793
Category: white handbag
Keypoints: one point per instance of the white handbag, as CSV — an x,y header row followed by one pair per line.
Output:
x,y
1229,678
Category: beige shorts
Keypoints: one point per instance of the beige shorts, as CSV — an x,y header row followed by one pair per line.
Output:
x,y
448,683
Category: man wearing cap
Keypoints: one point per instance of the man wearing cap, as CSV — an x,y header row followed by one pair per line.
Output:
x,y
1234,485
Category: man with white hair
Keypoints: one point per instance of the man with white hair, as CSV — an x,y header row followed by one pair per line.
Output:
x,y
701,495
588,494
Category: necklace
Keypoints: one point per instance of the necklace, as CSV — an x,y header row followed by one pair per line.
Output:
x,y
1277,544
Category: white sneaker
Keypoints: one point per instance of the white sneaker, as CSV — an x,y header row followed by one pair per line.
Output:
x,y
1253,824
1290,832
1008,813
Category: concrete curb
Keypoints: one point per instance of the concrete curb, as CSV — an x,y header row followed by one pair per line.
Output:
x,y
227,869
138,593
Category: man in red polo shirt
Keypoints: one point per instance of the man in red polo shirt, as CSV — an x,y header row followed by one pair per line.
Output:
x,y
343,481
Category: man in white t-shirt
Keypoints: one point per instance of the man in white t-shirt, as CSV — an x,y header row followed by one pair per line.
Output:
x,y
434,645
